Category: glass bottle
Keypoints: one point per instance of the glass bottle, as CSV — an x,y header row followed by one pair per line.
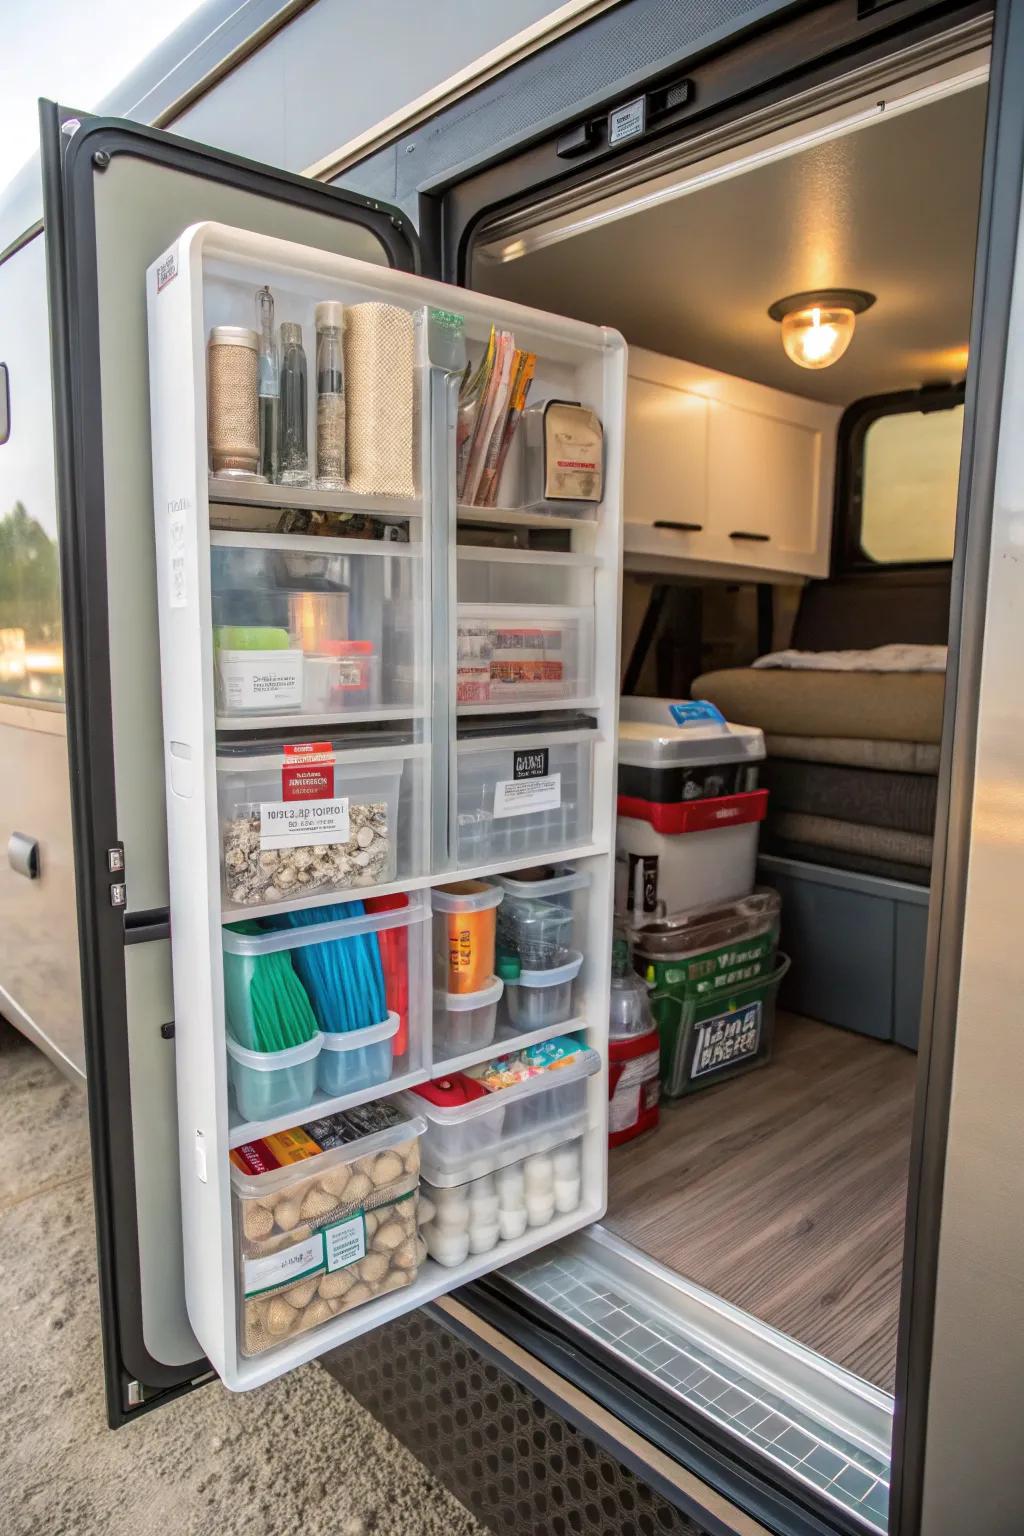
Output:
x,y
330,397
292,448
269,384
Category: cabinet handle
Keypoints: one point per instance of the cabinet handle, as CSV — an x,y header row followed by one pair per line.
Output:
x,y
755,538
23,855
680,527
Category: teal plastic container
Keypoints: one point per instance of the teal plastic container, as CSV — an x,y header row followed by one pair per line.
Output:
x,y
271,1083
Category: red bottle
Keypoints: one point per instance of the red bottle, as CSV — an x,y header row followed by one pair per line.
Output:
x,y
634,1061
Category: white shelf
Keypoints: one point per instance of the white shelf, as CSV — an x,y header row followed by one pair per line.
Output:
x,y
503,1043
334,722
312,544
516,517
498,554
433,1280
529,706
231,914
257,493
242,1131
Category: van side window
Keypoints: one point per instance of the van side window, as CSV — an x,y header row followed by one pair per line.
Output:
x,y
899,467
31,654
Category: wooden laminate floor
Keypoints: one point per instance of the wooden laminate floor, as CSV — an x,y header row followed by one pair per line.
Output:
x,y
783,1191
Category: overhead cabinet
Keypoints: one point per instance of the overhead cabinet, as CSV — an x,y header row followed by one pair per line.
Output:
x,y
339,741
723,472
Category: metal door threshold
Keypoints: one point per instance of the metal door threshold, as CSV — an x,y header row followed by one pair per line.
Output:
x,y
812,1418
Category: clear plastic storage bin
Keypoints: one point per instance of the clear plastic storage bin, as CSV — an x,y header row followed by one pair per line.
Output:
x,y
298,820
359,980
271,1083
359,1059
465,1021
522,792
515,654
535,999
475,1216
315,632
545,449
319,1236
469,1140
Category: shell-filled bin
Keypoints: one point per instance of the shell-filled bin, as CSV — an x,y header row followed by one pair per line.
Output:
x,y
298,819
522,787
473,1217
474,1129
329,997
325,1219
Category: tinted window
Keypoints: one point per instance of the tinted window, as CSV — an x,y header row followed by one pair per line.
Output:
x,y
31,665
908,499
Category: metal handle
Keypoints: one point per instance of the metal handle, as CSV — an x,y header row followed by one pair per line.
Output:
x,y
680,527
23,855
755,538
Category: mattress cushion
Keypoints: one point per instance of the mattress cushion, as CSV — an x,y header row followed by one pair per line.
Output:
x,y
888,706
902,801
852,837
855,752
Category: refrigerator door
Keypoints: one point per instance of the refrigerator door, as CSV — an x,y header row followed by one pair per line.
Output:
x,y
116,196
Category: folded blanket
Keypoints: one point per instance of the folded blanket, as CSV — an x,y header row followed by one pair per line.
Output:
x,y
852,752
883,658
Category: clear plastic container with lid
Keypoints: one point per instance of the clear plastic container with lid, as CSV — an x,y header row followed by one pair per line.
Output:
x,y
233,410
302,819
523,789
536,998
473,1217
465,1140
325,1219
465,1021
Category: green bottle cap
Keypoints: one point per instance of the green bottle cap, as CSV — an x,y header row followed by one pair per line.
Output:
x,y
508,967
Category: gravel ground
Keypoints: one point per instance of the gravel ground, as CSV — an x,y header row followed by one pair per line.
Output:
x,y
298,1456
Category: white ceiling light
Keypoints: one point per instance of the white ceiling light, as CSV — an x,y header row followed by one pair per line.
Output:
x,y
818,327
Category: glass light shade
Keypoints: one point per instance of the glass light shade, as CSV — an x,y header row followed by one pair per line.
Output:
x,y
817,337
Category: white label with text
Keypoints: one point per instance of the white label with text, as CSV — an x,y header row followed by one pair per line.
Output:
x,y
280,1268
345,1242
521,797
303,823
263,681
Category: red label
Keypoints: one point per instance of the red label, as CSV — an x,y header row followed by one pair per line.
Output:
x,y
310,776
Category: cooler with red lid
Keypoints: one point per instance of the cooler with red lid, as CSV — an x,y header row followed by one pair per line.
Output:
x,y
688,807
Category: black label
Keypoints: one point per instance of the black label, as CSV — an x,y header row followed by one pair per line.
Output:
x,y
648,865
530,765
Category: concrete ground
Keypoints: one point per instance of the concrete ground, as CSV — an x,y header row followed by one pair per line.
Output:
x,y
297,1456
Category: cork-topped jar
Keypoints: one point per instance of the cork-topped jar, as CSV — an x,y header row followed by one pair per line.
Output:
x,y
233,409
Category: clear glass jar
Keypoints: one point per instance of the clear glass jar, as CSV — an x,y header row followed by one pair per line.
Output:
x,y
293,447
330,397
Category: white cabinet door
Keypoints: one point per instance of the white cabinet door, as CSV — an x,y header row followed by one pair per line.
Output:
x,y
724,476
769,501
666,457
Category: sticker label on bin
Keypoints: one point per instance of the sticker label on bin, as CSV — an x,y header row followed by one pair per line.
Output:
x,y
345,1242
696,712
521,797
303,823
281,1268
726,1039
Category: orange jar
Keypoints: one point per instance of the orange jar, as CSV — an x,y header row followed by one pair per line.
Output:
x,y
464,928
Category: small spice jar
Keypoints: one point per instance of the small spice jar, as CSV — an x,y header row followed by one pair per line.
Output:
x,y
233,412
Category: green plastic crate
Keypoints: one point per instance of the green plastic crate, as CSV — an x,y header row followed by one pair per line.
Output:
x,y
711,1036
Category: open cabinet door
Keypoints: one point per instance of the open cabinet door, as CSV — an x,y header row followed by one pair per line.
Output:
x,y
116,195
186,776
